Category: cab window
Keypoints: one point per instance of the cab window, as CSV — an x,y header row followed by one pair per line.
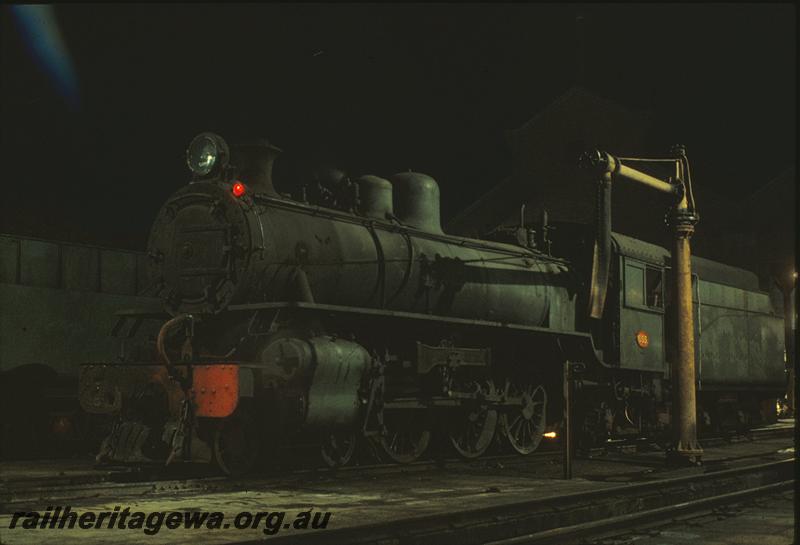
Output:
x,y
644,286
634,285
654,286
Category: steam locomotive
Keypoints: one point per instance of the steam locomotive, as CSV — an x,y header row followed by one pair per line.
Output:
x,y
345,314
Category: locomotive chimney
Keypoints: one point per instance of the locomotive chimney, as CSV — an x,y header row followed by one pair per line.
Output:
x,y
253,160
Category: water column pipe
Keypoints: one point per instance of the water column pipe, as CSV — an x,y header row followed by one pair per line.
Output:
x,y
682,220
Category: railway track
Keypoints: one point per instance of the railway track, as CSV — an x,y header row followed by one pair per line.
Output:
x,y
575,531
128,482
559,519
755,518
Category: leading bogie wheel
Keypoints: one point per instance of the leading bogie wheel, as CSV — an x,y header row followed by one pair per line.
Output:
x,y
406,435
338,447
237,443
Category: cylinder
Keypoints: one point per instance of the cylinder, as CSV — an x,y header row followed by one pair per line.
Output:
x,y
333,397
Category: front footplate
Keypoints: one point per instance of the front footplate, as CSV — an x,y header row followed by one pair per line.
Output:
x,y
162,416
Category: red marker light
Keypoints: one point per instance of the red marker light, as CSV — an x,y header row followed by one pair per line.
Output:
x,y
238,189
642,339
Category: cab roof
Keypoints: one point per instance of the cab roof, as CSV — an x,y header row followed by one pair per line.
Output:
x,y
706,269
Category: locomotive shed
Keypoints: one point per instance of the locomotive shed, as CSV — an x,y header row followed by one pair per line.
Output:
x,y
501,499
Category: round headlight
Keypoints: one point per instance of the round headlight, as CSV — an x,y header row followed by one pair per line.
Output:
x,y
206,151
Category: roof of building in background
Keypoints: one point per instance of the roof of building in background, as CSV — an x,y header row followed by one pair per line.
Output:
x,y
781,190
545,150
757,232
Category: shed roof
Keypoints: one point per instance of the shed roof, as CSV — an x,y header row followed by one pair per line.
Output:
x,y
545,151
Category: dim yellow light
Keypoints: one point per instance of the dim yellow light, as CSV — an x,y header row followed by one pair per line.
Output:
x,y
550,435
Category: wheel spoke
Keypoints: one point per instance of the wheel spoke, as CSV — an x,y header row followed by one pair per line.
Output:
x,y
338,448
523,425
405,438
236,444
472,428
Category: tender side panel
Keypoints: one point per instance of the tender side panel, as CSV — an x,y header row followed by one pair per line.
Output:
x,y
740,342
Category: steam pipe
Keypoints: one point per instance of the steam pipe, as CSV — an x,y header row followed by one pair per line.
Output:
x,y
601,251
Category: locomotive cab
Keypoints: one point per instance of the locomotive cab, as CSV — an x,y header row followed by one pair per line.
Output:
x,y
738,340
638,335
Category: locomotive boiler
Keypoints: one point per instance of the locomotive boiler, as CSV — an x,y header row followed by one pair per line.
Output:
x,y
344,314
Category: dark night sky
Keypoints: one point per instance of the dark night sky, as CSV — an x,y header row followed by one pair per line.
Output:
x,y
376,88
